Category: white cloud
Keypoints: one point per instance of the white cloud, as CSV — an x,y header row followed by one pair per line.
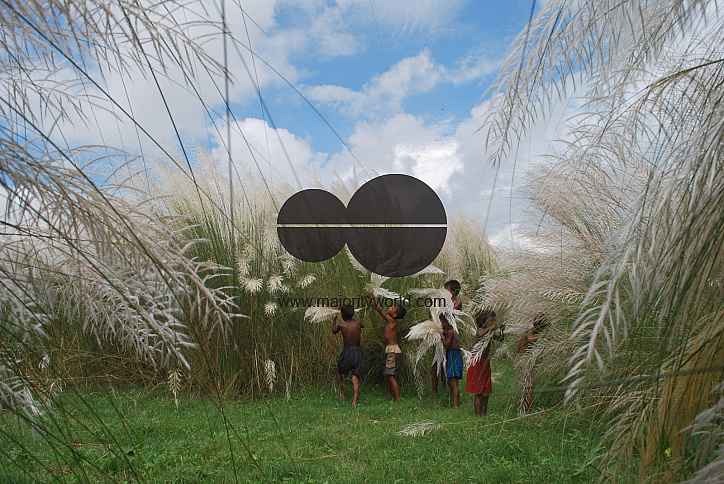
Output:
x,y
385,93
276,155
433,163
402,144
474,67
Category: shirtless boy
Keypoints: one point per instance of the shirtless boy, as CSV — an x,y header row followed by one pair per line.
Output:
x,y
393,354
351,359
451,343
453,287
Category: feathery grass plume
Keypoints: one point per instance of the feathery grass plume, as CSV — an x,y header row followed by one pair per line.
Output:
x,y
429,333
276,283
418,429
320,314
270,374
306,280
467,358
174,384
479,348
270,308
431,269
653,106
251,285
15,396
85,253
355,263
453,316
417,374
375,286
84,258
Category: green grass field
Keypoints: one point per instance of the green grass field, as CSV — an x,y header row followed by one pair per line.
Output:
x,y
140,436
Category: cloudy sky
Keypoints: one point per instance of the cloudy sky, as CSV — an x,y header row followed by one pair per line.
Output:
x,y
364,86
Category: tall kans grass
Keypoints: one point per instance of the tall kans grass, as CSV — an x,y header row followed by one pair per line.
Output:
x,y
264,275
633,205
102,283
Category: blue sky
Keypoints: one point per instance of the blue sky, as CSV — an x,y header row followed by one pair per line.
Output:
x,y
401,83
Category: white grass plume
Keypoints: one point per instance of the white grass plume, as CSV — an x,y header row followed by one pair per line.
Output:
x,y
419,429
270,308
320,314
374,286
174,384
355,263
306,280
270,374
429,333
431,269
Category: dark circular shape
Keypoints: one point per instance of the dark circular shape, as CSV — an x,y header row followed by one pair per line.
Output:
x,y
395,251
397,200
308,241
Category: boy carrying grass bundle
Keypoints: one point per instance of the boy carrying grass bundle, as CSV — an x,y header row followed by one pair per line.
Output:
x,y
453,287
480,380
454,362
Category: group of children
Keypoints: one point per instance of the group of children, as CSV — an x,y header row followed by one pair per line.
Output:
x,y
479,381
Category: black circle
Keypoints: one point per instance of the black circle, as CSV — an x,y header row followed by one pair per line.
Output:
x,y
311,208
400,250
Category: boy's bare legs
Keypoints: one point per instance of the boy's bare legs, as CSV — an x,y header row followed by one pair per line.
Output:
x,y
341,387
434,379
455,391
481,404
392,385
355,391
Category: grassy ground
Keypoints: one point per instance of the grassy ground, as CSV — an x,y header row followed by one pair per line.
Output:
x,y
137,436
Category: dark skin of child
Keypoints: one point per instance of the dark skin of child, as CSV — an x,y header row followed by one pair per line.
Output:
x,y
481,400
351,336
457,304
391,335
451,341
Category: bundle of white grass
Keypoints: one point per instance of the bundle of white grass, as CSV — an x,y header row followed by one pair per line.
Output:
x,y
375,287
429,333
418,429
482,344
320,314
453,316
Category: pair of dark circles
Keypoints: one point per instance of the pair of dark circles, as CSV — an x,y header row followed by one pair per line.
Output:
x,y
394,225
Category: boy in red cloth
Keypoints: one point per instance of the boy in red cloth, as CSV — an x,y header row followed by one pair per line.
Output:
x,y
479,379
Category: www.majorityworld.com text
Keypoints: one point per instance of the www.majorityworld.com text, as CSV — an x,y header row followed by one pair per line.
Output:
x,y
360,302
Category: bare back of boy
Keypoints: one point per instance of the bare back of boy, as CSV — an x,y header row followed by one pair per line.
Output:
x,y
351,333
